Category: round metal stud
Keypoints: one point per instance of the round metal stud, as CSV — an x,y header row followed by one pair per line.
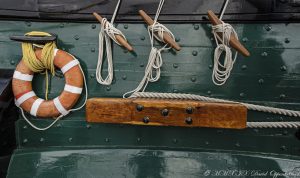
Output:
x,y
76,37
93,50
177,39
287,40
146,120
196,27
194,53
12,62
143,38
108,88
165,112
268,27
124,77
139,107
244,67
189,110
93,26
125,26
175,65
61,25
193,79
188,120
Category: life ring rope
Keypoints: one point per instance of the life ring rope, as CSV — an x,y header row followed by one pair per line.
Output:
x,y
36,105
41,58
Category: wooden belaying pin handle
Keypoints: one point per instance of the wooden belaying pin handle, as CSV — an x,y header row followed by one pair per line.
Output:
x,y
119,38
167,38
235,43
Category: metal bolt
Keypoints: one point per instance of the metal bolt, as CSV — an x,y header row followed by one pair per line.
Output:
x,y
244,67
206,143
256,130
125,26
283,68
189,110
164,112
245,39
193,79
261,81
141,65
175,66
76,37
42,139
188,120
106,139
146,120
268,27
138,139
28,24
88,126
174,140
58,125
285,132
242,94
142,38
108,88
93,26
25,127
283,147
209,92
139,107
124,77
12,62
282,96
264,54
61,25
25,140
237,145
196,27
287,40
210,66
175,91
93,49
177,39
92,75
194,53
70,139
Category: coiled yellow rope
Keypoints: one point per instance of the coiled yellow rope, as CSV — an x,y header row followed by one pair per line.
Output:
x,y
47,58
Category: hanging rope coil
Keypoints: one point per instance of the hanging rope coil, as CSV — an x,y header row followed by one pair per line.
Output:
x,y
222,67
47,56
107,32
152,70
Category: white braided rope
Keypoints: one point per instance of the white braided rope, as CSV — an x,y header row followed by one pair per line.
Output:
x,y
273,125
152,70
222,68
253,107
107,32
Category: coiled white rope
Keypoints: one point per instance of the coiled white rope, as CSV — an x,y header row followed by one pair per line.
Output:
x,y
152,70
253,107
107,32
222,68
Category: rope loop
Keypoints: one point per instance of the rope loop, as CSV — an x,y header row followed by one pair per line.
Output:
x,y
157,30
222,68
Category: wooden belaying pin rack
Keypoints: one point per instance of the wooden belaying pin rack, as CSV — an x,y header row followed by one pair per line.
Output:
x,y
167,38
119,38
235,43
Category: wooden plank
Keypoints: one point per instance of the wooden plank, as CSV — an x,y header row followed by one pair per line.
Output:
x,y
166,112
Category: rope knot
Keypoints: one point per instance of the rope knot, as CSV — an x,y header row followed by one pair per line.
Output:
x,y
158,29
110,30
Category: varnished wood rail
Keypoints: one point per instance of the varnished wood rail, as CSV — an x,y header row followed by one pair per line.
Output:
x,y
166,112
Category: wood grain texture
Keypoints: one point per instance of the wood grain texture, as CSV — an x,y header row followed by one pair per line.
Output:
x,y
204,114
234,42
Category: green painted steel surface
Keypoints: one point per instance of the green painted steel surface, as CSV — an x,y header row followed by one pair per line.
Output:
x,y
271,76
142,163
